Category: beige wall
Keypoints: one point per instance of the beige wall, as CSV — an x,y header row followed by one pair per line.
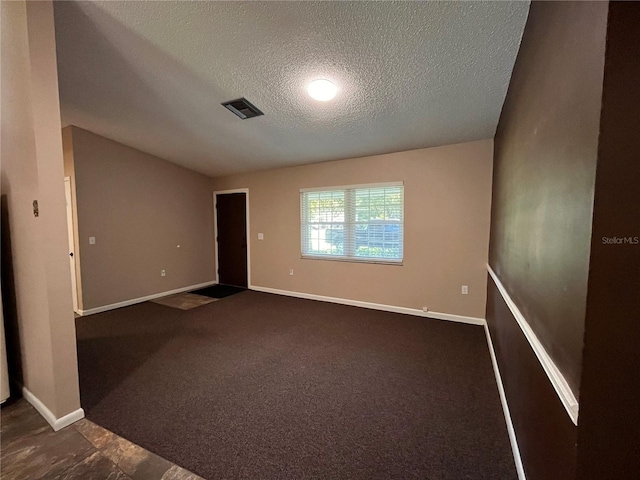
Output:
x,y
32,169
447,215
139,208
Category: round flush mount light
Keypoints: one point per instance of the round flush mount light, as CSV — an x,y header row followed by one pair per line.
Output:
x,y
322,90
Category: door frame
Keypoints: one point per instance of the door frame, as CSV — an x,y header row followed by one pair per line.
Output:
x,y
215,230
71,232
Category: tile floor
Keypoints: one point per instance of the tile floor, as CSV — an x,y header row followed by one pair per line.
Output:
x,y
184,301
30,449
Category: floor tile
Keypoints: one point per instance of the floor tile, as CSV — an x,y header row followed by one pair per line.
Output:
x,y
177,473
30,449
19,419
184,301
45,455
153,468
94,467
98,436
125,454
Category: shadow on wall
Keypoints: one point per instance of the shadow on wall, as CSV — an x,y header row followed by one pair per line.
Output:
x,y
9,304
94,34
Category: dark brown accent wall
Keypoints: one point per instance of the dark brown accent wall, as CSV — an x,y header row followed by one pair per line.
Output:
x,y
610,401
544,169
546,435
546,152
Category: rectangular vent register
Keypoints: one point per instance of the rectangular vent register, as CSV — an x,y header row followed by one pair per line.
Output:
x,y
243,108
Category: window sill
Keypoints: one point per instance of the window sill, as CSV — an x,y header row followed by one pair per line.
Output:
x,y
379,261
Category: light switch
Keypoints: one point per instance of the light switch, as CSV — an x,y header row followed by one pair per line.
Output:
x,y
261,236
92,240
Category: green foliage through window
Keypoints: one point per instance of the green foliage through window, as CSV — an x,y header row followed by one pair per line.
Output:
x,y
359,223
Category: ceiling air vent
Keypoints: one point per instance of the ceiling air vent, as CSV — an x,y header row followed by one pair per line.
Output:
x,y
242,108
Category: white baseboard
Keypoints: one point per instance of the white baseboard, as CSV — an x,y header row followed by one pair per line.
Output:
x,y
556,378
505,408
56,423
133,301
374,306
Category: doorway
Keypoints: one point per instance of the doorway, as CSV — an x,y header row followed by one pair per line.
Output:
x,y
232,237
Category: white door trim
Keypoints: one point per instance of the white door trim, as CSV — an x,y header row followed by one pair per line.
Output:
x,y
215,230
72,244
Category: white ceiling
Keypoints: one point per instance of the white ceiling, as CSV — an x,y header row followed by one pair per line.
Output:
x,y
152,75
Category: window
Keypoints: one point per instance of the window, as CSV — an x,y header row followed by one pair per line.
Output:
x,y
356,223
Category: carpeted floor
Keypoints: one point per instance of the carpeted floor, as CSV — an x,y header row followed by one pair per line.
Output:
x,y
260,386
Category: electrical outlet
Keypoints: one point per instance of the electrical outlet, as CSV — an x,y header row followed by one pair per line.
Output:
x,y
92,240
261,236
291,272
425,309
465,290
163,273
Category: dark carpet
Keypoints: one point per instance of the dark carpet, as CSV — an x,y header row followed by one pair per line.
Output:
x,y
219,291
261,386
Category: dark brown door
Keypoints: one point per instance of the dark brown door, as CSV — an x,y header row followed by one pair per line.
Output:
x,y
231,214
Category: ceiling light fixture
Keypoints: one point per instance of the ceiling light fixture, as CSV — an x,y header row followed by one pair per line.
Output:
x,y
322,90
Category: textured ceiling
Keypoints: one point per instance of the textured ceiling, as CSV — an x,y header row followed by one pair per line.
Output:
x,y
152,75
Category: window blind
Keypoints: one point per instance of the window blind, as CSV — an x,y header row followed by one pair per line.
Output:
x,y
357,223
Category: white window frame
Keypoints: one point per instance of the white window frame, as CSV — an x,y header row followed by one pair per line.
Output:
x,y
347,232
